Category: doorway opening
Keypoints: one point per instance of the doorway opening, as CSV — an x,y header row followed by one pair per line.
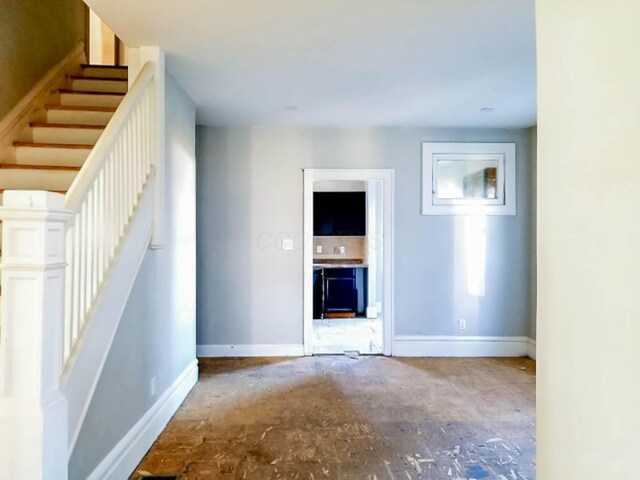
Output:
x,y
348,261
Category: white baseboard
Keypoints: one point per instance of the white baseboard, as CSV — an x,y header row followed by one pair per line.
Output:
x,y
251,350
126,455
531,349
403,346
459,346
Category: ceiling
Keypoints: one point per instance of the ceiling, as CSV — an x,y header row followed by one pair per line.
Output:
x,y
432,63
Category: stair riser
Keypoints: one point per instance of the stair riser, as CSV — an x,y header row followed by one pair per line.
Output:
x,y
37,179
99,86
66,136
51,156
88,100
78,117
105,72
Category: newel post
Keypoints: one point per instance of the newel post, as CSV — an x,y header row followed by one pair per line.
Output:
x,y
33,410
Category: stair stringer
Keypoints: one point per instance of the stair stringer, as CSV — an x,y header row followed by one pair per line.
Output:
x,y
81,378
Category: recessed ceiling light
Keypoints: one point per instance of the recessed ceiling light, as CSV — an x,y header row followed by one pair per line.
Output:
x,y
487,109
291,108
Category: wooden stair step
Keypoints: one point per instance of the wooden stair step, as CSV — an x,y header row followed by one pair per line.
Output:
x,y
18,166
89,92
63,192
42,152
81,108
120,67
110,71
102,79
53,145
66,125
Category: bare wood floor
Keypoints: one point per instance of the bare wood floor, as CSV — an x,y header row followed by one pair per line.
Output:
x,y
336,417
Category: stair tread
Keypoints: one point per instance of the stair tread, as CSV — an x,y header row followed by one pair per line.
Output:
x,y
90,92
2,190
106,79
66,125
81,108
53,145
119,67
22,166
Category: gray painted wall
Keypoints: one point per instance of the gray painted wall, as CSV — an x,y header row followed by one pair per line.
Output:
x,y
35,35
249,195
156,336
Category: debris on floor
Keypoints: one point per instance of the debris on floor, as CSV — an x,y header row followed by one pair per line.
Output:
x,y
318,418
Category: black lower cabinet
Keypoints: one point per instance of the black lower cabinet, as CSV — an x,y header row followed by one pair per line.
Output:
x,y
334,291
342,295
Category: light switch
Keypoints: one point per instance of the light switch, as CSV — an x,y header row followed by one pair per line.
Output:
x,y
287,244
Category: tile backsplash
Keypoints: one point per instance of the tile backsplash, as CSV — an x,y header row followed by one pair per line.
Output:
x,y
355,247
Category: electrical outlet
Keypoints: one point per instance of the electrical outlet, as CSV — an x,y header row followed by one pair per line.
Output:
x,y
318,248
462,324
153,387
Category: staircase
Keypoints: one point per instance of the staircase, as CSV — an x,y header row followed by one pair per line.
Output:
x,y
78,203
57,148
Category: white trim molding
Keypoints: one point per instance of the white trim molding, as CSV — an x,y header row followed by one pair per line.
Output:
x,y
251,350
459,346
531,348
126,455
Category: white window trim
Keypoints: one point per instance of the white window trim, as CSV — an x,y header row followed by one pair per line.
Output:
x,y
431,205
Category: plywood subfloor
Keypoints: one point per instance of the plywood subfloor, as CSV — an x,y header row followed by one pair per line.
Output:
x,y
353,418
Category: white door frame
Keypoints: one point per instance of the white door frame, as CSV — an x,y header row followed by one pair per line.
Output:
x,y
386,176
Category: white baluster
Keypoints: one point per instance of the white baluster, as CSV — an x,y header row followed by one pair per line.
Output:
x,y
75,314
104,198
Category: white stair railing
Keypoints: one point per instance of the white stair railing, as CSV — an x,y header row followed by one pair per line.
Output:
x,y
103,198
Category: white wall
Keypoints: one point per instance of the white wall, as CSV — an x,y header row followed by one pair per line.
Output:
x,y
156,336
249,195
588,239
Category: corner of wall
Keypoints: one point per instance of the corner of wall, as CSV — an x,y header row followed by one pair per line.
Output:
x,y
533,287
